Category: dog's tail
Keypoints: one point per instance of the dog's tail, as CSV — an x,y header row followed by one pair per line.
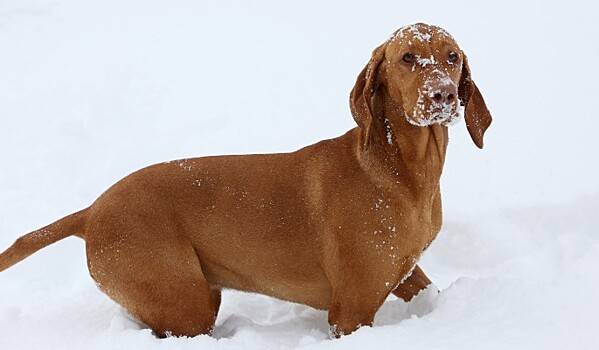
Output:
x,y
32,242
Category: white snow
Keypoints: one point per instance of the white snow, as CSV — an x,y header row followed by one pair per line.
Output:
x,y
91,91
417,34
424,61
388,132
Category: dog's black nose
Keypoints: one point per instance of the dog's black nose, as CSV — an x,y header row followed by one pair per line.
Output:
x,y
444,93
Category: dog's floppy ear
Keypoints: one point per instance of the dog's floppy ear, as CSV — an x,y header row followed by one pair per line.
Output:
x,y
362,94
476,114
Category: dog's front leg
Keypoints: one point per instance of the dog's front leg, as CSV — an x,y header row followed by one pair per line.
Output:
x,y
412,285
353,308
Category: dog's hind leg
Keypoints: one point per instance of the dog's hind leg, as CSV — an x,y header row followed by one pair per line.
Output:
x,y
158,280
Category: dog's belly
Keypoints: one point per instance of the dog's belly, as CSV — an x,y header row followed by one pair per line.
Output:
x,y
299,287
266,251
246,262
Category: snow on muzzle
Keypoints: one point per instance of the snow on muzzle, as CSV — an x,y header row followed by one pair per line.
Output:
x,y
437,101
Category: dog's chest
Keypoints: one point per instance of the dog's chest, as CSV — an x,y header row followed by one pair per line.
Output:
x,y
397,233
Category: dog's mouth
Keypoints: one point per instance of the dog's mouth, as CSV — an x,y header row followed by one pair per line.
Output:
x,y
447,114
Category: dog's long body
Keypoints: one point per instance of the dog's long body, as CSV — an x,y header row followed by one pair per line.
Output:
x,y
337,225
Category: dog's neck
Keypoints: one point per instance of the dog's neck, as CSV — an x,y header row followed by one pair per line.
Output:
x,y
400,154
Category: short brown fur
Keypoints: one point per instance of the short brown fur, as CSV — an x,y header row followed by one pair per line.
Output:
x,y
337,225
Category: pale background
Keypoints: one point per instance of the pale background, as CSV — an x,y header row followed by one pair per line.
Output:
x,y
93,90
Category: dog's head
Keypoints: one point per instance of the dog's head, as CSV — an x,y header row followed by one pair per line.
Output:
x,y
427,76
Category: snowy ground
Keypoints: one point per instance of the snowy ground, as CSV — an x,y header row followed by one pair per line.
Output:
x,y
90,91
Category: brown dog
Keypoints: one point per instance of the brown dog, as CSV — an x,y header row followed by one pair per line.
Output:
x,y
337,225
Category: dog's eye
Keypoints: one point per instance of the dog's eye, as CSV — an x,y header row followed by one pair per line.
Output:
x,y
408,57
453,57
